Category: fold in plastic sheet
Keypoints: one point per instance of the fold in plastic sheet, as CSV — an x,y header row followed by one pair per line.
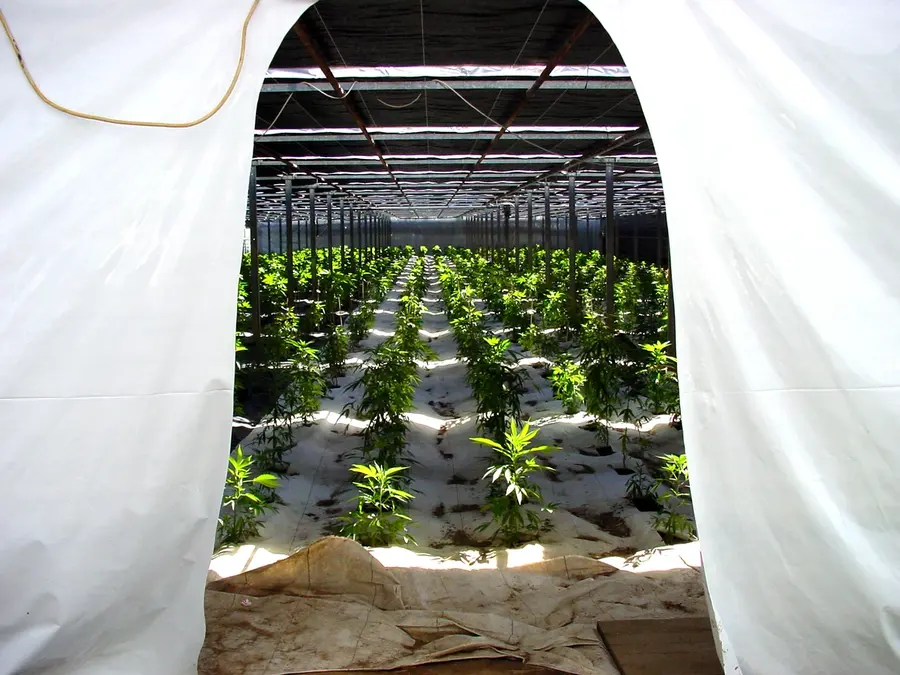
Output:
x,y
120,255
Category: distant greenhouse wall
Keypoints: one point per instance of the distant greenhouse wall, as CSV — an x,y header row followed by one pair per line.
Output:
x,y
641,237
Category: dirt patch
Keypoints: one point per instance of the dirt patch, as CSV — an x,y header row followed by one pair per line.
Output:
x,y
443,409
456,479
604,450
334,511
439,510
459,537
587,537
623,471
531,402
582,468
465,508
608,522
326,502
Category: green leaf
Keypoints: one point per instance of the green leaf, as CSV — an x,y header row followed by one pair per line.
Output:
x,y
267,480
488,442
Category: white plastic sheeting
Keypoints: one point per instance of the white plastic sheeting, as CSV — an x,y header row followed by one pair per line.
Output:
x,y
120,255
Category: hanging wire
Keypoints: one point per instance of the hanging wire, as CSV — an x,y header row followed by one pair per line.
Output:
x,y
20,59
286,101
405,105
515,134
332,96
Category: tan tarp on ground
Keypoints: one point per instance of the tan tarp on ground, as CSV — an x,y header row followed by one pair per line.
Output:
x,y
332,606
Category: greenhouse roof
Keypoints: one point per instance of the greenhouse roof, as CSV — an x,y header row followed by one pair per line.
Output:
x,y
434,108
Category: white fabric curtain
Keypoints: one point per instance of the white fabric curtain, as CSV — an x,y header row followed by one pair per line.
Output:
x,y
777,135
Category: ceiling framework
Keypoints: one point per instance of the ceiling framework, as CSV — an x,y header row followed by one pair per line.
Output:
x,y
435,108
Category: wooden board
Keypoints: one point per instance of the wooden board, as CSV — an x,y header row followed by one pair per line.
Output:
x,y
662,646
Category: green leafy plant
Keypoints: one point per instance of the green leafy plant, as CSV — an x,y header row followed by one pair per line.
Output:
x,y
661,379
334,352
496,384
640,489
675,495
244,501
568,379
514,495
379,518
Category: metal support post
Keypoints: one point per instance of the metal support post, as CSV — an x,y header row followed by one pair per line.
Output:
x,y
517,241
610,239
313,253
289,218
659,241
256,321
548,253
530,253
507,212
573,235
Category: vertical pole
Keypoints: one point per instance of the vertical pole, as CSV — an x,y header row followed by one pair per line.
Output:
x,y
330,240
507,212
330,237
635,242
313,254
530,253
289,219
517,243
280,234
587,232
573,235
548,253
659,246
670,337
353,265
610,238
343,239
256,321
268,235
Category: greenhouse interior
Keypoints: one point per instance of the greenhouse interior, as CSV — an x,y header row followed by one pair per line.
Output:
x,y
343,337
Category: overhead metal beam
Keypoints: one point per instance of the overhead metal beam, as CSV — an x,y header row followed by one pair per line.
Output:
x,y
435,136
306,38
557,58
566,162
588,82
592,154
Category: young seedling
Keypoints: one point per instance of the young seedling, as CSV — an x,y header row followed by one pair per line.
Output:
x,y
244,501
379,518
675,495
513,505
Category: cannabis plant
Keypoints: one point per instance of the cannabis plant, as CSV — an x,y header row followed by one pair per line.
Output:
x,y
513,505
661,380
389,382
567,379
496,384
244,501
334,352
379,518
675,496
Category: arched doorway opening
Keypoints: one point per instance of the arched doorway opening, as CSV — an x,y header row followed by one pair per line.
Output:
x,y
512,155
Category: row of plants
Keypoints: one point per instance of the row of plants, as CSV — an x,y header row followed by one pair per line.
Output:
x,y
605,370
514,500
296,364
388,381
